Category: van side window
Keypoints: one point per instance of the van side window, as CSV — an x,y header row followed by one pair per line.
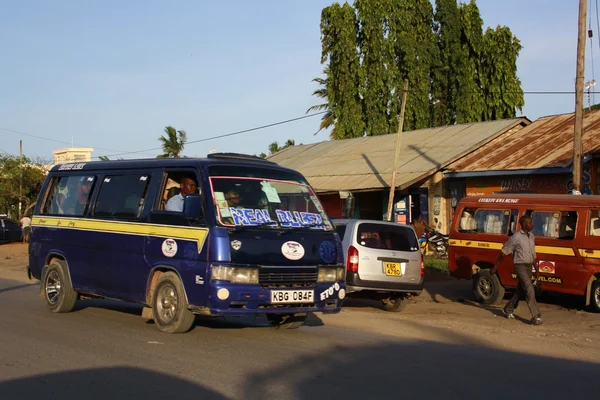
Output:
x,y
175,182
483,220
594,229
122,196
514,217
68,195
554,224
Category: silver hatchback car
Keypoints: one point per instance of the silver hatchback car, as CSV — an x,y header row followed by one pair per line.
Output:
x,y
383,261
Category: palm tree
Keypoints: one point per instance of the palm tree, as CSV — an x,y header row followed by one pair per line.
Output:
x,y
274,148
173,143
327,120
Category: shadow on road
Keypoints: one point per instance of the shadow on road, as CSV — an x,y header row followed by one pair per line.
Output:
x,y
462,369
105,383
17,287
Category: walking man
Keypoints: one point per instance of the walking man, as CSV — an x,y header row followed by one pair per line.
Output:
x,y
522,247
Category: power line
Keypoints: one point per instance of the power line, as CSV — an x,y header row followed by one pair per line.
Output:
x,y
228,134
50,140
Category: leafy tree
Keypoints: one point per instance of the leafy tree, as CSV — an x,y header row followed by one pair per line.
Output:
x,y
20,181
339,40
173,142
274,147
456,73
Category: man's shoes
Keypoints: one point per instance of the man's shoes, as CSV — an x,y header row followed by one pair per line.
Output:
x,y
508,315
536,321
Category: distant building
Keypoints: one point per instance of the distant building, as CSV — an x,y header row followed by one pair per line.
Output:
x,y
72,154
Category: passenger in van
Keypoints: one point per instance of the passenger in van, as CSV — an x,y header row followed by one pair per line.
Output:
x,y
188,186
233,199
522,247
80,202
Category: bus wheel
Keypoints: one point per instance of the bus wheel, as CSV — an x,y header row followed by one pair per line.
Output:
x,y
169,307
487,288
595,296
57,288
286,321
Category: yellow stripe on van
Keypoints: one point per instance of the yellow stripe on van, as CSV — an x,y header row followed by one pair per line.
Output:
x,y
125,228
589,253
475,243
561,251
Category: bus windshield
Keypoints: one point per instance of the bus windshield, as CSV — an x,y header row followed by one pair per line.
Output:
x,y
267,203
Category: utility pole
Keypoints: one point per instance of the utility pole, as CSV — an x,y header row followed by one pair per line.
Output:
x,y
579,77
397,154
20,174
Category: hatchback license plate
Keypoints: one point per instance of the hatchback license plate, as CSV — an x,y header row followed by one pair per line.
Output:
x,y
292,296
392,269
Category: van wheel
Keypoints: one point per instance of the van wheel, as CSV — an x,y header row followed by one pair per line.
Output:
x,y
487,288
595,296
286,321
169,307
57,288
395,303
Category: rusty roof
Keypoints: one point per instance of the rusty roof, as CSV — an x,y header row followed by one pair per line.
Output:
x,y
366,163
545,143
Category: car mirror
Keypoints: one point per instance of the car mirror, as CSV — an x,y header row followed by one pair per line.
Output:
x,y
192,206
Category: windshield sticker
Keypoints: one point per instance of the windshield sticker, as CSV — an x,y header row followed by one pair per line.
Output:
x,y
248,216
236,244
327,252
292,250
270,191
287,219
297,219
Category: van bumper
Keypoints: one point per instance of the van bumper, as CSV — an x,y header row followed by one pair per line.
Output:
x,y
355,284
254,299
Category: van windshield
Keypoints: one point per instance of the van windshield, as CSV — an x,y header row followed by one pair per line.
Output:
x,y
267,203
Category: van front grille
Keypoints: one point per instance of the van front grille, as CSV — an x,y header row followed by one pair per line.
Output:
x,y
287,276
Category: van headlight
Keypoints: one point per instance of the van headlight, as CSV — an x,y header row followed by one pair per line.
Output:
x,y
234,274
328,274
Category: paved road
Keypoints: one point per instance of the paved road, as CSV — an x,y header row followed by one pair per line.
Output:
x,y
104,350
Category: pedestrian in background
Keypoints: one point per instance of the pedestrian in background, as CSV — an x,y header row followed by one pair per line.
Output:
x,y
522,247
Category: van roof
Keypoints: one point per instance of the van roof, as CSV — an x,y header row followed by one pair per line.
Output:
x,y
537,199
212,159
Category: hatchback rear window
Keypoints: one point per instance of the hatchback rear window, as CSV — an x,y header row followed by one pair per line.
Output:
x,y
387,237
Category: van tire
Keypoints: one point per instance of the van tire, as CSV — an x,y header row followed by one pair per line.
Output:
x,y
169,307
57,288
395,303
487,287
595,296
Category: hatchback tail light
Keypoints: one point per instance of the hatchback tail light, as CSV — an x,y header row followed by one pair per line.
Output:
x,y
352,263
422,266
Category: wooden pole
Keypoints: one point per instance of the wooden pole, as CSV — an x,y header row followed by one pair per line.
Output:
x,y
397,154
580,76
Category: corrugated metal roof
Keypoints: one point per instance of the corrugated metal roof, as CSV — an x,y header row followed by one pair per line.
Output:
x,y
367,163
545,143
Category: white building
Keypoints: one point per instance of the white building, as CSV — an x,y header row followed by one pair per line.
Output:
x,y
72,154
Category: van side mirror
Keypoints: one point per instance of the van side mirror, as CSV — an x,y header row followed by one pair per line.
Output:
x,y
192,206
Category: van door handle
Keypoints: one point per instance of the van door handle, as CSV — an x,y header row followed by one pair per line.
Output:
x,y
589,251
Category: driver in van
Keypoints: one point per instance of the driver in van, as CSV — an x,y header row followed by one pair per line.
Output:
x,y
188,186
522,247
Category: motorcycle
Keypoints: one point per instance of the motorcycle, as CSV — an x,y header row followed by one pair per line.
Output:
x,y
434,240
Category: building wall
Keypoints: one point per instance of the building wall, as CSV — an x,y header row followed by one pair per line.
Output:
x,y
539,184
72,155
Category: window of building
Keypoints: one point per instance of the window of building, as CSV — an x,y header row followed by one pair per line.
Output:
x,y
122,197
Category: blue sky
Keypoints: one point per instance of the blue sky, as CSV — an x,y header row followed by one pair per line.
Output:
x,y
112,74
